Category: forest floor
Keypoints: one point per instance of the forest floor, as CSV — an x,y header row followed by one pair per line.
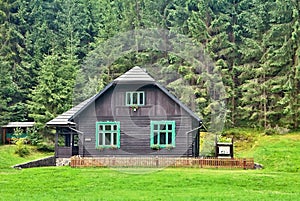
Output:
x,y
279,180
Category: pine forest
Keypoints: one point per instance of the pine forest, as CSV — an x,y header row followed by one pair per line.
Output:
x,y
254,45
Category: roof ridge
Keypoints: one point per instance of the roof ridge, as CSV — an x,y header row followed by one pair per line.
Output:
x,y
135,74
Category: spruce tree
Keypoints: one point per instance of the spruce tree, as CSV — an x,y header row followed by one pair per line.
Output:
x,y
283,57
13,55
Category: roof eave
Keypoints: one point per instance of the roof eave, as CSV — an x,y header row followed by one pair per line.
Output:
x,y
61,124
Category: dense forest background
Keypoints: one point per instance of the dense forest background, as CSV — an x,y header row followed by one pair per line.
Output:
x,y
255,45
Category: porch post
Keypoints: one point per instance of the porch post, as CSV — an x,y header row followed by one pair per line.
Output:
x,y
56,143
3,135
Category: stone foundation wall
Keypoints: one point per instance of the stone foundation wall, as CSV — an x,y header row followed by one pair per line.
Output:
x,y
49,161
63,161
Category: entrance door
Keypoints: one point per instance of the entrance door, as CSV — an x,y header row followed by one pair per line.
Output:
x,y
75,148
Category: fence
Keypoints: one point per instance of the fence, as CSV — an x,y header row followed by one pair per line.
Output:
x,y
158,162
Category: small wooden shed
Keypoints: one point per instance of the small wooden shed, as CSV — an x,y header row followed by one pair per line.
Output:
x,y
8,130
132,116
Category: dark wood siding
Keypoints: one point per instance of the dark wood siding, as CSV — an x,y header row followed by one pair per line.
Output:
x,y
112,103
135,126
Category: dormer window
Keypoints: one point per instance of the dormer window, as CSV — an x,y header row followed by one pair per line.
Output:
x,y
135,98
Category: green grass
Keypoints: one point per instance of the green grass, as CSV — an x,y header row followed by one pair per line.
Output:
x,y
277,152
8,158
65,183
278,181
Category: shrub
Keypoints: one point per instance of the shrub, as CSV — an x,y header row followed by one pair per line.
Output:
x,y
270,131
45,146
34,136
224,139
18,133
207,144
276,130
21,149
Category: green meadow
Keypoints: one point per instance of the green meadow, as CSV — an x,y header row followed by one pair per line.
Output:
x,y
279,180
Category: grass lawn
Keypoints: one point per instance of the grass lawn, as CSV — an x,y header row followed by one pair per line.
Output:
x,y
65,183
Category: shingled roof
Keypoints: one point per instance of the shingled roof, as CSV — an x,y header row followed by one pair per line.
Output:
x,y
65,118
134,75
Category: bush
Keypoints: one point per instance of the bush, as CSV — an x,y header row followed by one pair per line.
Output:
x,y
45,146
34,136
21,149
270,131
276,130
207,144
224,139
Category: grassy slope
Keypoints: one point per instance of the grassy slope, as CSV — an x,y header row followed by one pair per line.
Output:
x,y
276,152
8,158
64,183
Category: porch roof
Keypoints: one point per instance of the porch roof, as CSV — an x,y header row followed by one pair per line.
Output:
x,y
19,124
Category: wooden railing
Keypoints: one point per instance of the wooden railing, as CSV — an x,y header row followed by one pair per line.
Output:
x,y
158,162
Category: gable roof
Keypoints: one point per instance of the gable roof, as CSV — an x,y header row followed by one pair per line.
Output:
x,y
134,75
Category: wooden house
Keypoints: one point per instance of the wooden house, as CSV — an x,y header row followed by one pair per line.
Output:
x,y
131,116
8,131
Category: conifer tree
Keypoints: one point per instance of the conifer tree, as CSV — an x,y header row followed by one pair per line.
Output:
x,y
13,55
283,57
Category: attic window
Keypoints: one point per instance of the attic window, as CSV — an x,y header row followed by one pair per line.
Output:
x,y
162,134
135,98
107,134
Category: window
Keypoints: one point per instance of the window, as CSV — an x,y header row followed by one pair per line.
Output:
x,y
135,98
162,134
108,134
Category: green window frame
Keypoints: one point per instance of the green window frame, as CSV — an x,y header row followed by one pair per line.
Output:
x,y
107,134
162,134
135,98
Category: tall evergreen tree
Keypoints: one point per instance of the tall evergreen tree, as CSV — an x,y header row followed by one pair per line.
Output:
x,y
53,94
253,106
13,55
283,57
214,23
